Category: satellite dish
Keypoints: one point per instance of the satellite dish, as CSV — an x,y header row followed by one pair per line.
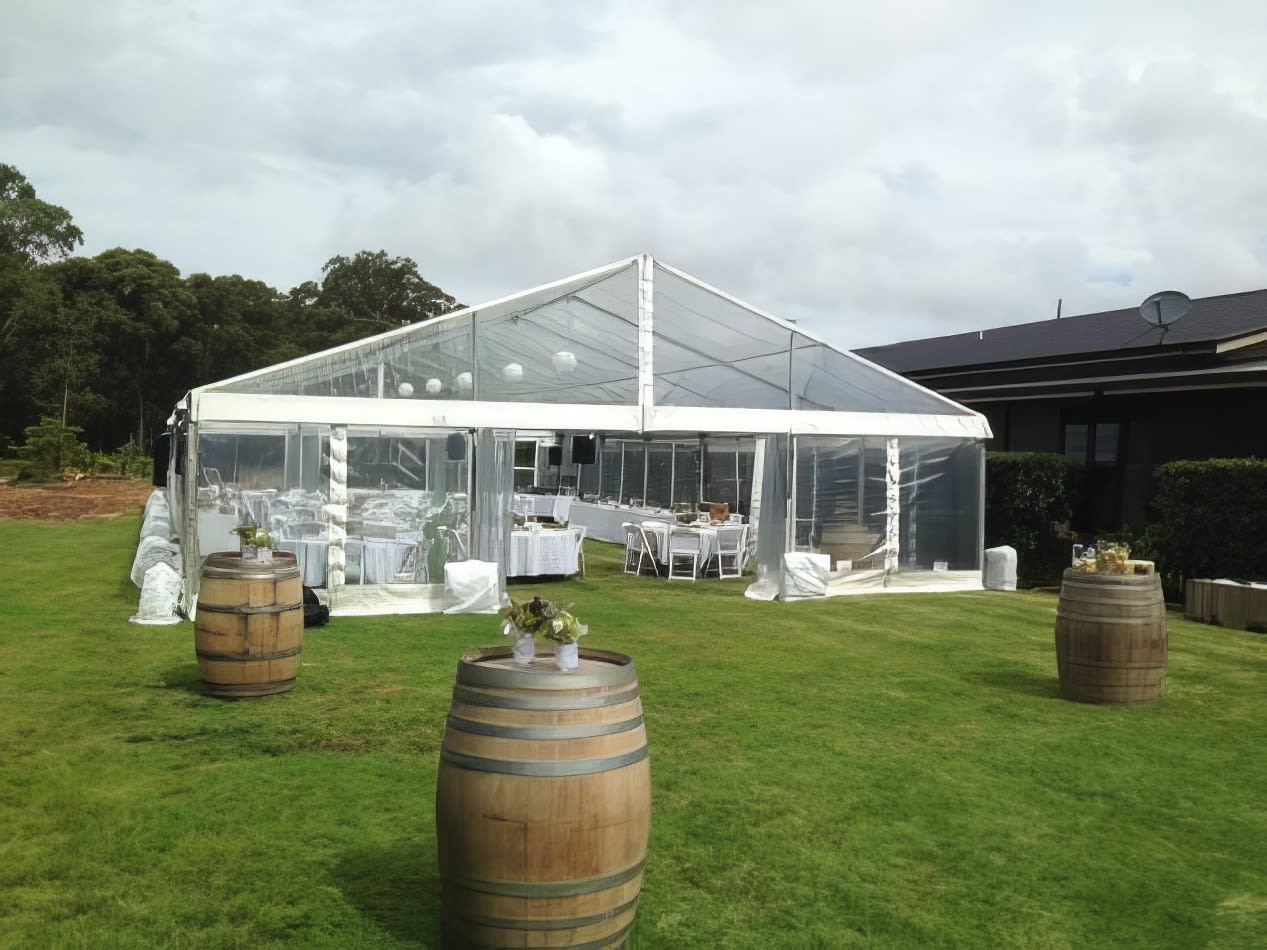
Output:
x,y
1163,309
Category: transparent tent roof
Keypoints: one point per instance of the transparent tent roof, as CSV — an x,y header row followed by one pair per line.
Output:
x,y
584,340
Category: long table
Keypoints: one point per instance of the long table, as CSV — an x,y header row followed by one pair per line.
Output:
x,y
604,521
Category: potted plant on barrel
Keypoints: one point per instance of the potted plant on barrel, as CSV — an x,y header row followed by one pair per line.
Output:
x,y
255,544
539,617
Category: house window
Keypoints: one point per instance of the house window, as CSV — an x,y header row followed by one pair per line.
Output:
x,y
1076,440
1106,443
1093,443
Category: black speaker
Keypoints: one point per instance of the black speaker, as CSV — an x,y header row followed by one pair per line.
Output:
x,y
554,455
583,449
162,454
455,447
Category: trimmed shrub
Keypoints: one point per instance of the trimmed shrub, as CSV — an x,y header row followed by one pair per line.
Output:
x,y
1209,520
1028,503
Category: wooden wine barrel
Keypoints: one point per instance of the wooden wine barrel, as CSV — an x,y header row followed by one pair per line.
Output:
x,y
543,802
1111,637
249,627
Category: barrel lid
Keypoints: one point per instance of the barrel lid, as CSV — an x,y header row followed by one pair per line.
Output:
x,y
1093,577
229,565
496,666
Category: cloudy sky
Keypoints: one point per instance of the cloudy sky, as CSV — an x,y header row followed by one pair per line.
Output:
x,y
877,171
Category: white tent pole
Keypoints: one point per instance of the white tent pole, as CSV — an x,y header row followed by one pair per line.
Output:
x,y
646,337
892,510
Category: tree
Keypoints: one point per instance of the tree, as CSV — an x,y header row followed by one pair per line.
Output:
x,y
32,230
383,292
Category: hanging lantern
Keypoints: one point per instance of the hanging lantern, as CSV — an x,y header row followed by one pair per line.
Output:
x,y
564,361
405,389
512,372
434,386
464,382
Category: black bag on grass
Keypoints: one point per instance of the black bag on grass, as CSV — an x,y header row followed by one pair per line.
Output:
x,y
316,614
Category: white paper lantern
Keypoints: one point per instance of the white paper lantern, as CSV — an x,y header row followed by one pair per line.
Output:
x,y
434,386
405,389
512,372
464,382
564,361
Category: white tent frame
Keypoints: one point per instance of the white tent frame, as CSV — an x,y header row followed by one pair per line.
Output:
x,y
217,402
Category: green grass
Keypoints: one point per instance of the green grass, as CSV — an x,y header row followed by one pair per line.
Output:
x,y
885,771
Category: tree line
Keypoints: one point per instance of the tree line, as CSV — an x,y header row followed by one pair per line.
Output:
x,y
108,344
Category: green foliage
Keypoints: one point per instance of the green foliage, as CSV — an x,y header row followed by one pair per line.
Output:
x,y
51,447
541,618
380,291
1210,520
1028,504
32,230
878,771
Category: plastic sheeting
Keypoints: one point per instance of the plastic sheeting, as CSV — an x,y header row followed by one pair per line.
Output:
x,y
160,592
1000,568
154,550
771,465
804,576
474,586
491,511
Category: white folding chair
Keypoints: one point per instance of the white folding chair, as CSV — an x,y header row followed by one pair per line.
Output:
x,y
685,547
580,547
732,547
637,549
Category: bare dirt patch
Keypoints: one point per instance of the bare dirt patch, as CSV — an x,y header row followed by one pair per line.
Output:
x,y
68,501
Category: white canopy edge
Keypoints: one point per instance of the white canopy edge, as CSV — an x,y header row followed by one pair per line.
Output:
x,y
466,414
799,422
406,413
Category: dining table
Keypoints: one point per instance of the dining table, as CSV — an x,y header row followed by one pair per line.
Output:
x,y
383,558
543,551
658,532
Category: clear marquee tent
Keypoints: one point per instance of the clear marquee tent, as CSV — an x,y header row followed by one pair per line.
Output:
x,y
634,390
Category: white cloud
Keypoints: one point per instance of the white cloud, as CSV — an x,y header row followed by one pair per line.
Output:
x,y
878,172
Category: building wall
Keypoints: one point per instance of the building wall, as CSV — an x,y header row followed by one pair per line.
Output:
x,y
1153,428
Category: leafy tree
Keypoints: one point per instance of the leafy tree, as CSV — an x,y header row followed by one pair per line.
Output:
x,y
32,230
381,292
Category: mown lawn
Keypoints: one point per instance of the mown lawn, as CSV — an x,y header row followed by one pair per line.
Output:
x,y
887,771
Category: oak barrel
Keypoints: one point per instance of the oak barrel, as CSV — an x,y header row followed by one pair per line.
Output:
x,y
249,626
1111,637
543,802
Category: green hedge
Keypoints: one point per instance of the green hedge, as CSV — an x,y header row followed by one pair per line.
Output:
x,y
1028,503
1209,520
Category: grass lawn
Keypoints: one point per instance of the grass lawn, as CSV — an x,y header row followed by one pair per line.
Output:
x,y
883,771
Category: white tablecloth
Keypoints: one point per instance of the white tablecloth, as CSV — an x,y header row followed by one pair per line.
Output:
x,y
382,559
604,521
311,554
533,553
543,506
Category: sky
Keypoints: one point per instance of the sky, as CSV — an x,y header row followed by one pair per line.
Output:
x,y
876,172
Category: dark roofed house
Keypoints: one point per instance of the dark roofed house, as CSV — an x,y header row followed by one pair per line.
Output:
x,y
1111,389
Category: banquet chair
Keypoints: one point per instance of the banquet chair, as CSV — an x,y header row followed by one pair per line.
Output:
x,y
732,548
415,567
685,547
637,547
580,547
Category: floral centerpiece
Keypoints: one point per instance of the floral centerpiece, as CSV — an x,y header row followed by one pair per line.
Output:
x,y
1109,558
255,543
538,617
